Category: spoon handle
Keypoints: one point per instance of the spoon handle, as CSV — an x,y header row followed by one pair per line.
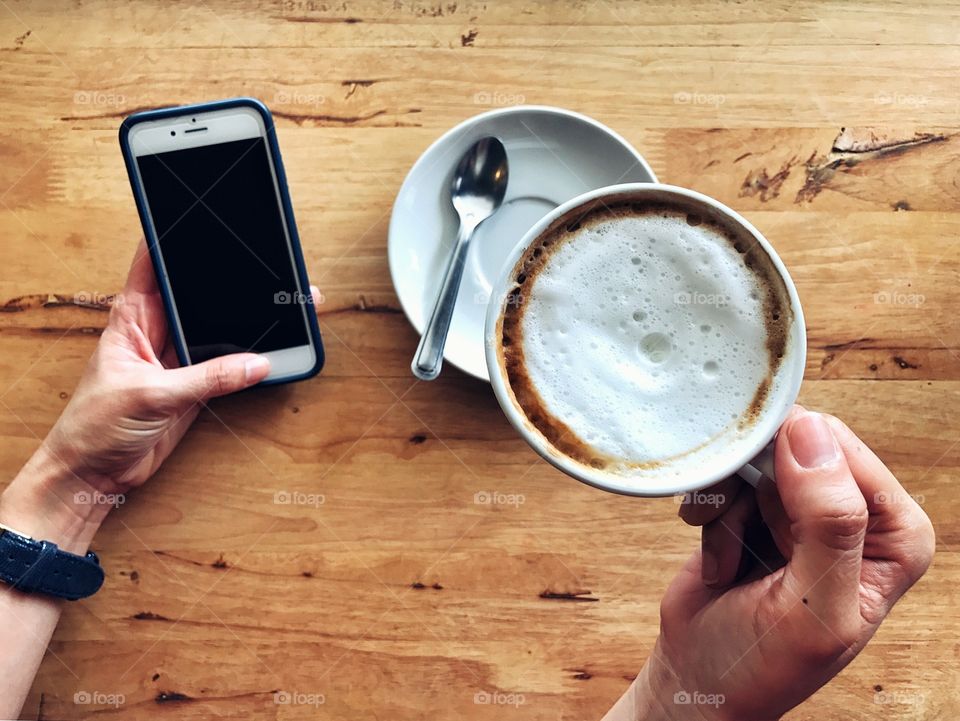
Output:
x,y
429,356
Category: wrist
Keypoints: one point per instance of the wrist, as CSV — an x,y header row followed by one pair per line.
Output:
x,y
658,694
48,501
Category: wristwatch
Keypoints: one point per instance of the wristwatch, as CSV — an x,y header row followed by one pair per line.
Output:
x,y
40,566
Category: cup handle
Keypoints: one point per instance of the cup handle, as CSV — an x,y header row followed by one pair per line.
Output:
x,y
761,465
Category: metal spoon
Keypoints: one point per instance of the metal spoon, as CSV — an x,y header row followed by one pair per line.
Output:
x,y
479,184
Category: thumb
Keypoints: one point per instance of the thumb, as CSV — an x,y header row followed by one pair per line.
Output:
x,y
218,376
827,519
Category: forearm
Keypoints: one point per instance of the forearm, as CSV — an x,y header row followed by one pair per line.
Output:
x,y
45,501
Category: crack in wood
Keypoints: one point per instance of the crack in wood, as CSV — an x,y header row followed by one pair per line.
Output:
x,y
568,596
171,697
858,343
308,19
904,364
336,120
92,301
763,185
419,586
852,147
362,306
353,85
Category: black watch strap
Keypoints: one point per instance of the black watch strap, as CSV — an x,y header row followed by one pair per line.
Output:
x,y
40,566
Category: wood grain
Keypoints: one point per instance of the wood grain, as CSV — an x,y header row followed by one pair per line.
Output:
x,y
430,557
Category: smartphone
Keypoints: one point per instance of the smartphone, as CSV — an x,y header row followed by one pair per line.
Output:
x,y
212,196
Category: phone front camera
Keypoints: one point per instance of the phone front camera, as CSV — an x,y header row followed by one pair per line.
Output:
x,y
173,132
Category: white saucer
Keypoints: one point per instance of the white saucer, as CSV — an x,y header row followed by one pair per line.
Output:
x,y
553,155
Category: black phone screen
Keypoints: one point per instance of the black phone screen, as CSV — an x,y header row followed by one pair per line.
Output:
x,y
221,235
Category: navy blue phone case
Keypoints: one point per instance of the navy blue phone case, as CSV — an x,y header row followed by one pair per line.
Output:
x,y
274,149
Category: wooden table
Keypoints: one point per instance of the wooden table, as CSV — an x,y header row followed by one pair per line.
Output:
x,y
832,127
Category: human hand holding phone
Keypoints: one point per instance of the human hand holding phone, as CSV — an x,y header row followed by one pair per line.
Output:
x,y
130,409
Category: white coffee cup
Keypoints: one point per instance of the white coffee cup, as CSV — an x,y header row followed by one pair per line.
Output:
x,y
752,455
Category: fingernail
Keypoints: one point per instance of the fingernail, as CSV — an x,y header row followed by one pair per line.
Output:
x,y
255,368
812,442
709,567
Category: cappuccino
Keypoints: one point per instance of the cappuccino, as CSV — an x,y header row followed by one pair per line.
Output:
x,y
637,335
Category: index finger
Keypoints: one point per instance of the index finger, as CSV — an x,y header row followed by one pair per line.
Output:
x,y
698,508
141,277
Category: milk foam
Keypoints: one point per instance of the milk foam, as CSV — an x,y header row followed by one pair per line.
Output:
x,y
645,336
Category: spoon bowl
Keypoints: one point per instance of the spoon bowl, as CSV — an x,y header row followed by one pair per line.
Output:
x,y
480,180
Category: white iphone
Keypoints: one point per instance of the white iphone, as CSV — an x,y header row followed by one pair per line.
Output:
x,y
212,196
